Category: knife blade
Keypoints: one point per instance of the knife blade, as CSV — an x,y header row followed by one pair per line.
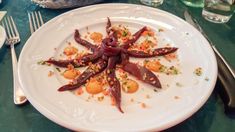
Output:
x,y
225,73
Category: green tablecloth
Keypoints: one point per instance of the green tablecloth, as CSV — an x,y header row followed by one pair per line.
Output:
x,y
25,118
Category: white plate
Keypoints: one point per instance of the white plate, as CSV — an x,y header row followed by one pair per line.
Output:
x,y
2,36
163,110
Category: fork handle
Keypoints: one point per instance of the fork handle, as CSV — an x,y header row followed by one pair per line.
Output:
x,y
16,85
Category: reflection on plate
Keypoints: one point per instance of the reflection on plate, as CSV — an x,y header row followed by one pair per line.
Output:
x,y
183,95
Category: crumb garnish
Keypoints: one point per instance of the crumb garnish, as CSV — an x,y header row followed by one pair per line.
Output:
x,y
50,73
176,97
206,79
198,71
178,84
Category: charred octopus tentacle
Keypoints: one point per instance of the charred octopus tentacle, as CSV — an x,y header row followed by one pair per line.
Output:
x,y
83,42
107,56
81,62
155,52
91,71
115,88
134,38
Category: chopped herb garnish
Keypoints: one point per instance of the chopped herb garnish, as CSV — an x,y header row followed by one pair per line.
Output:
x,y
58,69
162,68
146,61
160,30
172,70
124,83
124,33
41,62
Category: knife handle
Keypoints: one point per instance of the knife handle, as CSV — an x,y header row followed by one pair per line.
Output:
x,y
227,79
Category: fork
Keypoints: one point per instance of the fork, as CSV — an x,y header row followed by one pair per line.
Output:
x,y
13,38
35,21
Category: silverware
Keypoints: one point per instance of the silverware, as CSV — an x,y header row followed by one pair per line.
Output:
x,y
225,73
35,21
13,38
58,4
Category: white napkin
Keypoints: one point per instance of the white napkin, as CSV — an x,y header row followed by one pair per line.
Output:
x,y
2,36
2,14
2,31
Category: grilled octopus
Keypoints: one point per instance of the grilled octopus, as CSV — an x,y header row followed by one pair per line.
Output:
x,y
105,57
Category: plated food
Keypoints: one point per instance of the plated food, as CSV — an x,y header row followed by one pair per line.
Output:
x,y
110,54
187,76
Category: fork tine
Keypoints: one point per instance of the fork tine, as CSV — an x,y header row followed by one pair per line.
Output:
x,y
30,23
8,30
37,20
40,18
14,26
34,24
10,25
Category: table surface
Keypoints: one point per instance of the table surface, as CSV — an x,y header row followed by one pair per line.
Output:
x,y
210,118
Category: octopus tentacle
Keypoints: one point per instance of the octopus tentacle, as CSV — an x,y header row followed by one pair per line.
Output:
x,y
91,71
83,42
81,62
156,52
115,88
108,26
135,37
142,74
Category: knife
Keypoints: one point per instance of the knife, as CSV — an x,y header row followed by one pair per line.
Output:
x,y
225,73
